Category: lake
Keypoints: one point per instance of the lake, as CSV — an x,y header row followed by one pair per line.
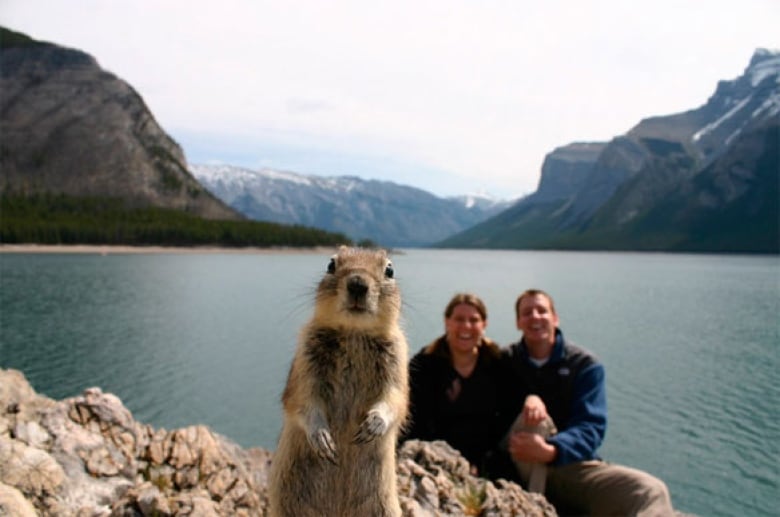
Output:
x,y
689,342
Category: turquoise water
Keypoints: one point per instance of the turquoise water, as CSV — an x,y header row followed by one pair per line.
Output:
x,y
690,344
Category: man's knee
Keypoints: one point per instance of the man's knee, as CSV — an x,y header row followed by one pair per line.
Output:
x,y
599,488
653,498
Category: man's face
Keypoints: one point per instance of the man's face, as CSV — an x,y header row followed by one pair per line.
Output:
x,y
537,321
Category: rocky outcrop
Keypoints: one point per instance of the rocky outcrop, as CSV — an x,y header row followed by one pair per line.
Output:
x,y
87,456
565,170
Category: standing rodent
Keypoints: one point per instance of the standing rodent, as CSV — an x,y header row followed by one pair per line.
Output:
x,y
346,397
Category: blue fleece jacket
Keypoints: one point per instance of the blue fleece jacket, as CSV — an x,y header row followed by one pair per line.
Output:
x,y
572,385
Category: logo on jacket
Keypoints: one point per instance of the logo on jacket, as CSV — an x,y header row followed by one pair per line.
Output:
x,y
564,371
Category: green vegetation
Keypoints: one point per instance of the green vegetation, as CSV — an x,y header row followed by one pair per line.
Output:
x,y
60,219
9,38
473,497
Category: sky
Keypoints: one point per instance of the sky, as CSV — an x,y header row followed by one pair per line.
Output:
x,y
450,96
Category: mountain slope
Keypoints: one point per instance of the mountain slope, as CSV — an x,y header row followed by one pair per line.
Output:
x,y
381,211
732,205
702,180
69,127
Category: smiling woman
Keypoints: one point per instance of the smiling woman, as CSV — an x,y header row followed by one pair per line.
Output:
x,y
455,385
465,320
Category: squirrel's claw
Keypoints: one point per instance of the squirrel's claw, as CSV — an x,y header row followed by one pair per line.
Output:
x,y
374,425
322,441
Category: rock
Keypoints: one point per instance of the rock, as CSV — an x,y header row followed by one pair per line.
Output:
x,y
32,434
32,471
434,479
86,455
12,502
151,501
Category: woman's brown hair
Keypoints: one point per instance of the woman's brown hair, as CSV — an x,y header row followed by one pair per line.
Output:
x,y
469,299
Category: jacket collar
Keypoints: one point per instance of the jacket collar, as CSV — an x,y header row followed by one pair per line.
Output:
x,y
557,351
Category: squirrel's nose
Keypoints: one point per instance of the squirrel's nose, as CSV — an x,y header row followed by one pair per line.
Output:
x,y
356,286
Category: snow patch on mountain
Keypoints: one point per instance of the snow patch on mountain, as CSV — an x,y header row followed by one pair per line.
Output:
x,y
382,211
241,175
764,65
480,199
768,64
714,125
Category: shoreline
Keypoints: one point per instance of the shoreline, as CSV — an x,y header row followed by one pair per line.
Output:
x,y
111,249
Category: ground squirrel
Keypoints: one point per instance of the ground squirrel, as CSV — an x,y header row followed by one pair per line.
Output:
x,y
346,397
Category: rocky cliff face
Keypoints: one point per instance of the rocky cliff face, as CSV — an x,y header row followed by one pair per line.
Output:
x,y
566,169
732,204
70,127
86,455
660,153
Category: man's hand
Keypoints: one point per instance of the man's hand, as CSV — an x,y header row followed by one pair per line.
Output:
x,y
534,411
531,447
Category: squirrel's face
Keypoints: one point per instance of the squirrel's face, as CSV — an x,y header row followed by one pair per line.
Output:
x,y
358,289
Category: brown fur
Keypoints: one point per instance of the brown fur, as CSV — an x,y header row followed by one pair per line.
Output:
x,y
346,397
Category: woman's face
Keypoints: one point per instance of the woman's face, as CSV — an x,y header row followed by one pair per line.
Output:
x,y
464,328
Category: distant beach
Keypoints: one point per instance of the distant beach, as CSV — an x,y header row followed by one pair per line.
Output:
x,y
129,250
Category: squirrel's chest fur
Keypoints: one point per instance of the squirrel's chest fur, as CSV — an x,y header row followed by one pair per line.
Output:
x,y
349,370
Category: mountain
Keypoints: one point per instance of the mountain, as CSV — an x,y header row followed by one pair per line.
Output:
x,y
69,127
83,161
703,180
384,212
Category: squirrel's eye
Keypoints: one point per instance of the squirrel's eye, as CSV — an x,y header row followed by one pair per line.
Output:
x,y
332,266
389,270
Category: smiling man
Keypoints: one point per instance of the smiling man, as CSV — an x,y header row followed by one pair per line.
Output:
x,y
570,382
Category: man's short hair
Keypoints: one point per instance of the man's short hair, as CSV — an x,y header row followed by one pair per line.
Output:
x,y
533,292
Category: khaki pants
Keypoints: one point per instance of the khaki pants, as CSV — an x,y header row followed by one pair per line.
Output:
x,y
593,487
603,489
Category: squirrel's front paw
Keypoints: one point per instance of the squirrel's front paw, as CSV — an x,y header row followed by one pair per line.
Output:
x,y
374,425
322,443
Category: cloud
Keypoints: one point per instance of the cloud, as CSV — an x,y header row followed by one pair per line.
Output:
x,y
297,106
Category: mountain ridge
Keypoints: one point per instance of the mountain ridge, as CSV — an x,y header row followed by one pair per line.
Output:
x,y
72,128
661,158
383,212
83,160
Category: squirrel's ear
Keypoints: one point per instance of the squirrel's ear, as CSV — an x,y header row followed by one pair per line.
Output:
x,y
332,266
